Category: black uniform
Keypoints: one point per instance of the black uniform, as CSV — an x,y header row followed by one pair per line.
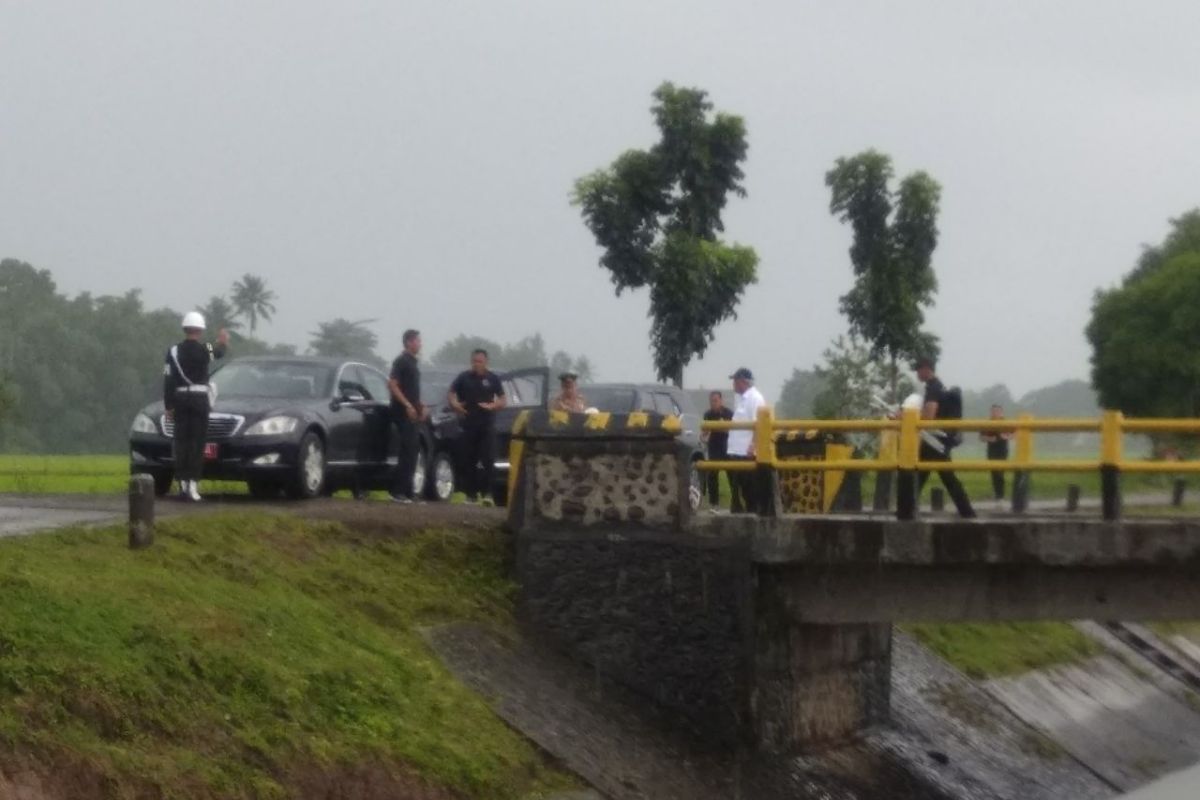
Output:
x,y
185,394
997,450
718,450
477,442
933,394
407,375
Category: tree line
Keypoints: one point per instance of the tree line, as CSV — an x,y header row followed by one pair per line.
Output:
x,y
74,370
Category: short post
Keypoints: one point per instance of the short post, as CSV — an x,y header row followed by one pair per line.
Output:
x,y
1073,497
1020,492
907,455
937,499
1177,489
141,511
1110,464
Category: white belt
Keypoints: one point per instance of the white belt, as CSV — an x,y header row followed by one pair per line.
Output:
x,y
196,387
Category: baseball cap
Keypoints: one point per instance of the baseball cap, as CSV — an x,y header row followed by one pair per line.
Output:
x,y
743,373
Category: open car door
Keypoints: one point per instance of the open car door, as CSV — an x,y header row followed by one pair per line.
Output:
x,y
524,389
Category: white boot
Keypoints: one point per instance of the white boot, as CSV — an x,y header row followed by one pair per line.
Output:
x,y
194,491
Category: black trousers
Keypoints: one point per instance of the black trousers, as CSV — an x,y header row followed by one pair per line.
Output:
x,y
409,450
998,482
743,496
191,431
712,480
477,460
953,488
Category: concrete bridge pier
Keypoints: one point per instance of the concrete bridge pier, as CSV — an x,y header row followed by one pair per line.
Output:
x,y
814,684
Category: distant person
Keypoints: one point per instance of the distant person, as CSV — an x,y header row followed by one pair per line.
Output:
x,y
997,450
407,413
476,395
568,398
717,444
740,444
936,445
187,398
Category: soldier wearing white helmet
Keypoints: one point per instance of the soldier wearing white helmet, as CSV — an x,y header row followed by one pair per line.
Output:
x,y
186,397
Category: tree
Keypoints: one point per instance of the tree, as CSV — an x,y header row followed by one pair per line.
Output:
x,y
657,215
219,313
341,338
1184,237
799,394
855,380
1143,335
253,299
895,234
583,368
457,351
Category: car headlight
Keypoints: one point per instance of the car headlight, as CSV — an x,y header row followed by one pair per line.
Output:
x,y
143,424
272,426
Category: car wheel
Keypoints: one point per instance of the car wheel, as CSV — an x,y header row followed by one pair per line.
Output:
x,y
309,478
439,483
420,475
263,489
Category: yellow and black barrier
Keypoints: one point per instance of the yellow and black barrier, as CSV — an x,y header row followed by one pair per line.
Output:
x,y
901,445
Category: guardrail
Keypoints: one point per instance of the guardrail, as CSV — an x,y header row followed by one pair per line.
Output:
x,y
901,445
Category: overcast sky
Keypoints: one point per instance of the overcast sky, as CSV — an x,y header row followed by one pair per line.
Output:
x,y
412,162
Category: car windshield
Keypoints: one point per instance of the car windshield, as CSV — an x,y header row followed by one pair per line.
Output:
x,y
608,398
290,380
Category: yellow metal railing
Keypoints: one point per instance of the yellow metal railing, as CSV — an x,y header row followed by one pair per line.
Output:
x,y
900,450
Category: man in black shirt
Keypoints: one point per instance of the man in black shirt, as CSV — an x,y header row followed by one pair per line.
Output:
x,y
186,399
997,450
407,412
475,396
718,446
935,446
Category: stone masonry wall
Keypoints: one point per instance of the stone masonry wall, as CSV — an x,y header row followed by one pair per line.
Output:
x,y
606,488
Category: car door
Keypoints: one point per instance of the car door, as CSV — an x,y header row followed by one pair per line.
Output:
x,y
524,389
378,437
347,412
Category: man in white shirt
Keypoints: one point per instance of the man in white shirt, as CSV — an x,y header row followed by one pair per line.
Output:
x,y
747,402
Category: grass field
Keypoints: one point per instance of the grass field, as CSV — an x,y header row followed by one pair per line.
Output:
x,y
996,650
238,652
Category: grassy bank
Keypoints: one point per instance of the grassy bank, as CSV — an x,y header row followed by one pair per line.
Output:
x,y
997,650
242,653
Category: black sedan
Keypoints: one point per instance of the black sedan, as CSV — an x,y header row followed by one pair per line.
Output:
x,y
305,426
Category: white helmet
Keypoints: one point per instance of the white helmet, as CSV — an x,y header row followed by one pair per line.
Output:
x,y
193,319
914,400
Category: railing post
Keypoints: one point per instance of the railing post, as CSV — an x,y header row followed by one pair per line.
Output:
x,y
1073,497
1020,488
141,511
766,483
906,472
1177,490
1110,464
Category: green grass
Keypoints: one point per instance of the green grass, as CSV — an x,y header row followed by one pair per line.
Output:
x,y
97,474
239,647
997,650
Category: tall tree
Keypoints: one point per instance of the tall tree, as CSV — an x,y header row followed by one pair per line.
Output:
x,y
457,351
1143,335
895,234
799,395
253,299
584,369
341,338
1184,237
657,214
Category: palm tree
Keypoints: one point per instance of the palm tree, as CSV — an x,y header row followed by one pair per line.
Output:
x,y
219,313
252,299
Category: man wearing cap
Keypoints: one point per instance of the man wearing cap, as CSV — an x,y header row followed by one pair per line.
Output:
x,y
568,398
935,445
741,443
186,398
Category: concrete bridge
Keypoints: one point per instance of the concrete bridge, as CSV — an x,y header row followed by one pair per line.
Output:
x,y
775,631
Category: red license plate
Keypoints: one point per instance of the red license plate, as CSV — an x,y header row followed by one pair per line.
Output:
x,y
210,451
